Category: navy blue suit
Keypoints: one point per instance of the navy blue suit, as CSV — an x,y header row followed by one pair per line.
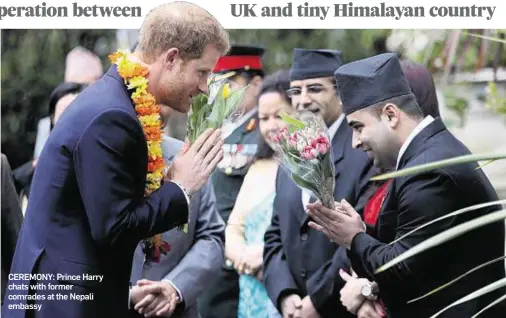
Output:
x,y
86,212
415,200
300,260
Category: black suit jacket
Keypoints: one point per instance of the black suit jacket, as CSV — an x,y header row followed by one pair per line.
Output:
x,y
300,260
418,199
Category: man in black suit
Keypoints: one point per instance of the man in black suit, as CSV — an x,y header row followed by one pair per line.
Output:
x,y
388,124
300,265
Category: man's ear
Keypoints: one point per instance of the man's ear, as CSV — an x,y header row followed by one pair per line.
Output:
x,y
256,81
171,57
391,113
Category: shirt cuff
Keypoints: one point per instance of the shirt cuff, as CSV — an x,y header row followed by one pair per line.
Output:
x,y
179,294
187,196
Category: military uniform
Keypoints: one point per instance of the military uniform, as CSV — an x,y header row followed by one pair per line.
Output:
x,y
239,151
240,148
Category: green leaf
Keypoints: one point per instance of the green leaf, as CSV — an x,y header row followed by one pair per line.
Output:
x,y
478,293
458,278
492,304
460,211
303,183
234,100
291,120
439,164
485,164
445,236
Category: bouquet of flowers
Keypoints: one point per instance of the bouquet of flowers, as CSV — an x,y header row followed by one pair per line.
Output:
x,y
213,110
304,149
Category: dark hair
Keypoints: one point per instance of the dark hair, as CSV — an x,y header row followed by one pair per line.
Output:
x,y
60,91
407,103
277,82
423,87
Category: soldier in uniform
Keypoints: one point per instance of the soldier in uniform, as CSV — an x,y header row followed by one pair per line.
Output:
x,y
240,149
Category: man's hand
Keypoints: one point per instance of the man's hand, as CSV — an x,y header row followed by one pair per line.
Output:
x,y
308,310
194,164
371,309
161,299
339,225
291,306
137,294
351,293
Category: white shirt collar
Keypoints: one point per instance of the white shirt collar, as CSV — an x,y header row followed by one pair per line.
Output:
x,y
335,126
421,125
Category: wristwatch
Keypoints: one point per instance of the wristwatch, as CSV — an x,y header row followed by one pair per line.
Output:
x,y
368,291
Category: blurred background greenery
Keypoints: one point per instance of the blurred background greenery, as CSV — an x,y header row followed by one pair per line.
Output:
x,y
33,62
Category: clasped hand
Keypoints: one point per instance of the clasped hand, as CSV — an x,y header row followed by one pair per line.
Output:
x,y
250,262
339,225
353,300
154,299
194,163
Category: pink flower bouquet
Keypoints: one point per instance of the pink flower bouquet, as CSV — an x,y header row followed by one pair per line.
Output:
x,y
304,149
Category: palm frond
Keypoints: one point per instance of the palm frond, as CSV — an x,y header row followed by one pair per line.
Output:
x,y
461,211
480,292
458,278
491,38
439,164
492,304
444,237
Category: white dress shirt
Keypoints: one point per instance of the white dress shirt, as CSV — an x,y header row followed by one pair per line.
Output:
x,y
306,194
421,125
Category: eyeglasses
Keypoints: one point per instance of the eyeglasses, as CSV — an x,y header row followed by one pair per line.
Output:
x,y
311,90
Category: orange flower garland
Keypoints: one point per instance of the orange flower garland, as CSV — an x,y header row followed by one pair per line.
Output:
x,y
148,113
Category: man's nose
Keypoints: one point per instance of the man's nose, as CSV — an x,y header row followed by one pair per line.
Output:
x,y
305,99
356,143
203,87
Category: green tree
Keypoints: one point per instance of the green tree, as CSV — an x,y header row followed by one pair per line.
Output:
x,y
33,63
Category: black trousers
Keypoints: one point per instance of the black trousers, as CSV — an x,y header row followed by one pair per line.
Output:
x,y
221,299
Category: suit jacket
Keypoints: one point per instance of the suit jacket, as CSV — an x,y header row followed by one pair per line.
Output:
x,y
87,212
194,257
415,200
12,219
300,260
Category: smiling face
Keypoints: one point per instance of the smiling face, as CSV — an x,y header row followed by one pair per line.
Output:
x,y
269,106
175,81
377,134
317,95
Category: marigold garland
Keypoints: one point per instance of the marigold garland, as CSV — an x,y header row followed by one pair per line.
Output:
x,y
148,113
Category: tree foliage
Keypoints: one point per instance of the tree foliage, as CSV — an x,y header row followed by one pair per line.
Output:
x,y
33,64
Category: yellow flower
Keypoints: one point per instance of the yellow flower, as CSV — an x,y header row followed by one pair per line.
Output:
x,y
139,82
154,149
226,91
150,120
118,56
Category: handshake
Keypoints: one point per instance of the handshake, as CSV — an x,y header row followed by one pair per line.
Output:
x,y
194,164
154,299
